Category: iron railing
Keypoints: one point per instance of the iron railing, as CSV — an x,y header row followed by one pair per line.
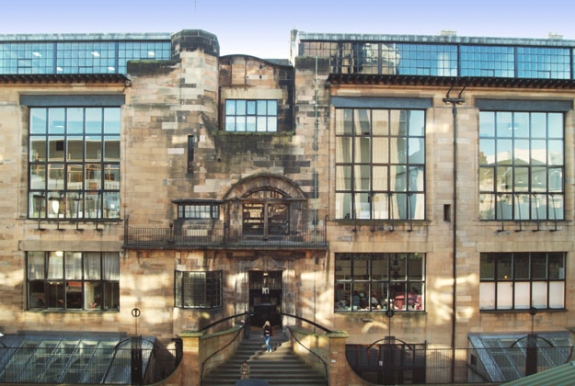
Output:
x,y
222,238
404,364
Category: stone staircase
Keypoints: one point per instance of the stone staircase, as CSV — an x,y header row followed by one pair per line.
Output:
x,y
282,367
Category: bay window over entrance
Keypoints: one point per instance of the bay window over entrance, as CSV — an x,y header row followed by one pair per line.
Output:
x,y
198,289
380,164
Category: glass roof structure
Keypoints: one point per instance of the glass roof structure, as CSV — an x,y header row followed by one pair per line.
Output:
x,y
71,359
79,53
501,358
442,55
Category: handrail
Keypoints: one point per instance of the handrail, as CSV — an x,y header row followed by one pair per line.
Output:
x,y
314,353
216,352
223,320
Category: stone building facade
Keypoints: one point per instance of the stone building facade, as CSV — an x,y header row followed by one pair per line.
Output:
x,y
233,184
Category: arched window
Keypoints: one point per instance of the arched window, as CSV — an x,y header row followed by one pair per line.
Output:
x,y
265,213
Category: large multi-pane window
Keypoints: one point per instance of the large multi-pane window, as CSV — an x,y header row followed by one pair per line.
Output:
x,y
379,281
73,280
74,163
79,57
521,166
515,281
198,289
251,115
380,164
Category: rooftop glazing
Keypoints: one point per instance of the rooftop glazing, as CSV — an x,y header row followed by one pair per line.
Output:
x,y
79,53
443,55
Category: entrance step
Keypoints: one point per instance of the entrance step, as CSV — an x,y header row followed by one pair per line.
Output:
x,y
281,367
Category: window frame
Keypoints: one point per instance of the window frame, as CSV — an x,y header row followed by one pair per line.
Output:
x,y
187,210
505,283
94,276
395,274
399,171
248,115
66,182
211,296
520,198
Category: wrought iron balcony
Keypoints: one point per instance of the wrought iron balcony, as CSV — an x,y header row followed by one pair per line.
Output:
x,y
223,238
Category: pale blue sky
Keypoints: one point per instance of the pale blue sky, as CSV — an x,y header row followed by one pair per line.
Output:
x,y
262,27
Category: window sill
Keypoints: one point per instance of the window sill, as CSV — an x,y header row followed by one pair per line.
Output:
x,y
522,311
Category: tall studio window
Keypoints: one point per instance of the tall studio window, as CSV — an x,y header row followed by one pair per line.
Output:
x,y
251,115
198,289
74,163
515,281
73,280
380,164
379,281
521,166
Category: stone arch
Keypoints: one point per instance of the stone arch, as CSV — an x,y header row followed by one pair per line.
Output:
x,y
251,184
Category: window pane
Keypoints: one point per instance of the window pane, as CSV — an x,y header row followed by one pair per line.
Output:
x,y
56,121
37,149
112,121
343,149
73,265
504,296
416,123
486,180
557,294
178,289
539,265
94,120
504,267
38,120
380,150
487,206
111,148
380,124
342,267
362,150
75,120
521,261
230,107
487,296
556,266
272,107
92,266
540,294
111,266
55,265
36,265
522,295
486,124
343,202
